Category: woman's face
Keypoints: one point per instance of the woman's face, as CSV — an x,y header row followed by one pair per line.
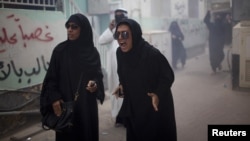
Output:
x,y
73,31
124,37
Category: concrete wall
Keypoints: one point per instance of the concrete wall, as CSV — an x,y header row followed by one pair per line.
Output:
x,y
157,15
194,30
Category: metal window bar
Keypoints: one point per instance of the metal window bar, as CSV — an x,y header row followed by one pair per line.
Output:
x,y
29,4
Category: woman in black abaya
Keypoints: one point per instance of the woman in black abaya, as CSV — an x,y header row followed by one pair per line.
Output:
x,y
145,81
178,50
75,60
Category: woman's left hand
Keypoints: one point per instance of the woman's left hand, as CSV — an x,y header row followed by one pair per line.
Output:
x,y
155,100
91,86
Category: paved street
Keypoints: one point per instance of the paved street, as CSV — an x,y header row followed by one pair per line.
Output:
x,y
199,97
202,99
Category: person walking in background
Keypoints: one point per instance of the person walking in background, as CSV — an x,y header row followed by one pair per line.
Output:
x,y
178,50
75,63
106,38
216,40
145,78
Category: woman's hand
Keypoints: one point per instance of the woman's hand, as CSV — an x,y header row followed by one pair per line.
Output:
x,y
91,86
57,107
119,92
112,25
155,100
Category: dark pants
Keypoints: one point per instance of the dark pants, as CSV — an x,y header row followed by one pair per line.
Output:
x,y
178,53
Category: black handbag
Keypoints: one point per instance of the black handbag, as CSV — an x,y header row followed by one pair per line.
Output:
x,y
64,122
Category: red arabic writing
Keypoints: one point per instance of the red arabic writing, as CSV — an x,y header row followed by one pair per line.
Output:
x,y
37,33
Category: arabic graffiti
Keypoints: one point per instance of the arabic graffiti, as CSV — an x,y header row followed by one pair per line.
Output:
x,y
6,68
27,39
189,27
25,42
37,33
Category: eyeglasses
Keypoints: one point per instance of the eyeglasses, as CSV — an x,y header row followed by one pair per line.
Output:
x,y
72,26
124,35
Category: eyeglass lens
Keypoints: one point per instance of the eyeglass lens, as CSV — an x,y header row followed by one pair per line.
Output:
x,y
72,26
124,35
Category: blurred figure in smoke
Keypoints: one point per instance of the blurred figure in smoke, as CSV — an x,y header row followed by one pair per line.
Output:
x,y
178,50
106,38
216,40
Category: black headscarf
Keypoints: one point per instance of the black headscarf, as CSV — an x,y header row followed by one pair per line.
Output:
x,y
132,57
174,28
136,55
82,50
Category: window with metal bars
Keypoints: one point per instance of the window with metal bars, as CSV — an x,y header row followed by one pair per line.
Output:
x,y
51,5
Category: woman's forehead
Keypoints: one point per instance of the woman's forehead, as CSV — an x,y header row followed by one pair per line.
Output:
x,y
123,27
72,23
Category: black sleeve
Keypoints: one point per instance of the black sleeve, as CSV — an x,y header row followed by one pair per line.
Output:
x,y
50,91
119,65
166,75
100,94
160,75
207,20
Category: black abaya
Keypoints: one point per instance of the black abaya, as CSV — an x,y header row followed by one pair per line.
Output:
x,y
178,50
142,70
70,60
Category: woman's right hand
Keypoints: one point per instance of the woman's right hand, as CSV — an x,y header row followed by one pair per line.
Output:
x,y
57,107
119,92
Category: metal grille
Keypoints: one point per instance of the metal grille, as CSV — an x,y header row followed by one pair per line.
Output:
x,y
29,4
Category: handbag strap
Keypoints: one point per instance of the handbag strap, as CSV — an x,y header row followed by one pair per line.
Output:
x,y
76,94
78,87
